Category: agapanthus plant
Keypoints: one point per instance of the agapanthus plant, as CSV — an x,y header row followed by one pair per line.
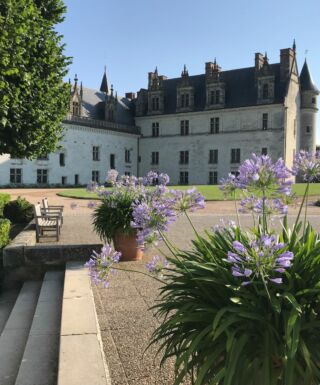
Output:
x,y
241,307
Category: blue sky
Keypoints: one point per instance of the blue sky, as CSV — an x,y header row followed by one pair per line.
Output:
x,y
133,37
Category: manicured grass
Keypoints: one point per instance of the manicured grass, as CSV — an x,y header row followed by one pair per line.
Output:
x,y
211,193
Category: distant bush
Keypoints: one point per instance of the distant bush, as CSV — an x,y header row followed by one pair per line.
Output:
x,y
4,232
18,211
4,199
317,203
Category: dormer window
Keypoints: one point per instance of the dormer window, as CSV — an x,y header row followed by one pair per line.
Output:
x,y
75,109
155,103
265,91
185,100
215,97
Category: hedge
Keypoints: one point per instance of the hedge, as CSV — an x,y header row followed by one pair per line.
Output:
x,y
4,232
4,199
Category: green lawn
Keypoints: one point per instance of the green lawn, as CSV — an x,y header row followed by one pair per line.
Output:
x,y
211,193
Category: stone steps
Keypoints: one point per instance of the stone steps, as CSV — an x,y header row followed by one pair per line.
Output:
x,y
50,333
16,331
39,363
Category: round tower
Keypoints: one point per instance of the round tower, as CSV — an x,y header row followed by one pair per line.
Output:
x,y
309,94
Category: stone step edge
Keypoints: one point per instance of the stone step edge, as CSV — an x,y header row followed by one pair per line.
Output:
x,y
80,332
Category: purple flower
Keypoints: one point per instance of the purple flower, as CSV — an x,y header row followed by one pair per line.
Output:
x,y
307,165
230,184
112,176
265,257
91,205
100,265
163,179
151,178
157,264
260,173
238,246
188,200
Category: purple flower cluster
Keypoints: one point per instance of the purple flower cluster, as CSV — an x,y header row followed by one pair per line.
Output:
x,y
307,165
255,205
92,186
157,264
260,172
112,176
152,216
188,200
263,257
229,185
100,265
92,205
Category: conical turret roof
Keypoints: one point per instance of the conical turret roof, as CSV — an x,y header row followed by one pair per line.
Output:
x,y
104,83
306,81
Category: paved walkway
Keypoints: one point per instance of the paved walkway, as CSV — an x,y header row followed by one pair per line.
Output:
x,y
123,309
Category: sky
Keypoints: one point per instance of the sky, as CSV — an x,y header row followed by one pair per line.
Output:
x,y
131,37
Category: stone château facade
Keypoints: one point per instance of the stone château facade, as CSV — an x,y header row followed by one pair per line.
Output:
x,y
195,128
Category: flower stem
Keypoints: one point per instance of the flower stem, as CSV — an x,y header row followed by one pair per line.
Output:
x,y
306,208
139,272
236,207
300,209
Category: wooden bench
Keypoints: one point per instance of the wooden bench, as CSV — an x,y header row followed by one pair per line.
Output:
x,y
50,210
45,222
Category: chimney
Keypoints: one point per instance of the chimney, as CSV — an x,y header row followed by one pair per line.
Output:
x,y
286,61
130,95
209,68
258,61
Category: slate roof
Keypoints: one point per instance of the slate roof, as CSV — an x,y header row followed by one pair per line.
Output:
x,y
240,89
306,81
93,102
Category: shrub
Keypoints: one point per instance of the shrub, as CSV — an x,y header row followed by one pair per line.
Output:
x,y
4,232
317,203
18,211
4,199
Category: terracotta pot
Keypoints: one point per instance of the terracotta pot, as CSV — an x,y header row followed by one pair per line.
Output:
x,y
128,247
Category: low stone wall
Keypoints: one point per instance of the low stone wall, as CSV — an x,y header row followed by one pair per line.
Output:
x,y
24,259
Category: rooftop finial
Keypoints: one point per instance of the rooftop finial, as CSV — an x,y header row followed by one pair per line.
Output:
x,y
111,89
215,61
185,71
156,71
294,45
81,89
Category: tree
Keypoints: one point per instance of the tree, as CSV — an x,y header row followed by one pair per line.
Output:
x,y
33,96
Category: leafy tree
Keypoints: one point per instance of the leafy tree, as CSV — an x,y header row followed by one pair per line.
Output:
x,y
33,96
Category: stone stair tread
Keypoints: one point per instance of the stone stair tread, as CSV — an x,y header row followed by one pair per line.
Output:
x,y
79,333
15,333
40,359
7,300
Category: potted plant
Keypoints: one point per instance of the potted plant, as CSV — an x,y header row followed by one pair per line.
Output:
x,y
113,218
242,306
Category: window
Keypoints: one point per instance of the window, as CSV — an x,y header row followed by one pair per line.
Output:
x,y
235,173
213,177
16,175
214,125
43,157
112,161
75,109
127,156
155,103
95,153
264,151
184,157
184,127
313,100
42,176
76,179
308,129
127,173
265,91
155,129
63,180
62,159
215,97
264,121
155,157
213,156
95,176
235,155
184,100
184,177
